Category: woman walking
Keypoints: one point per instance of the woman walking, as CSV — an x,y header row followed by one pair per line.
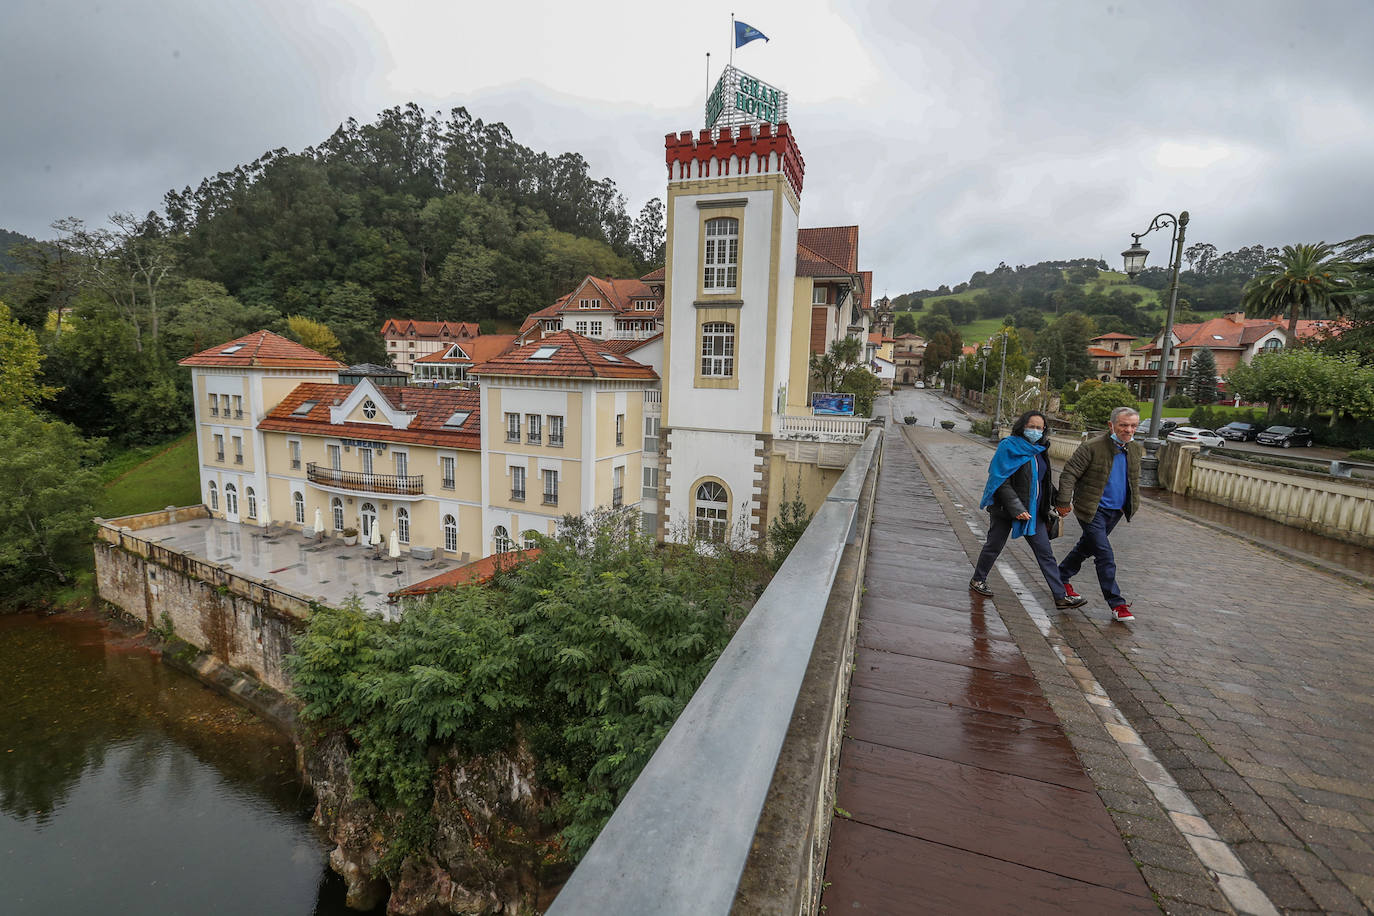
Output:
x,y
1019,497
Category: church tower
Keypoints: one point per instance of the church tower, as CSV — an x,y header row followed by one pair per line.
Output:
x,y
735,353
883,318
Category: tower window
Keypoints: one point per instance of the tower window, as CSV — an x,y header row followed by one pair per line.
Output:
x,y
722,254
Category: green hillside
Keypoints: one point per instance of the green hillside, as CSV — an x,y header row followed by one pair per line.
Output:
x,y
150,478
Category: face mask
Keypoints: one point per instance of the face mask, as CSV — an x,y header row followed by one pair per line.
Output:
x,y
1033,435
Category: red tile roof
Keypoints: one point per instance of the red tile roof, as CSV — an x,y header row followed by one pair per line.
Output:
x,y
478,350
655,276
625,345
476,573
262,349
1104,353
441,330
839,245
574,356
432,406
866,300
1114,335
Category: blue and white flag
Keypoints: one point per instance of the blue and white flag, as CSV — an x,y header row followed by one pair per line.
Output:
x,y
746,33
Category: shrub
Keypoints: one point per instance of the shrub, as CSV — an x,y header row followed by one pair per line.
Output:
x,y
1180,400
1362,454
981,428
1096,405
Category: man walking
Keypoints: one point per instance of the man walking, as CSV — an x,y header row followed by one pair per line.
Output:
x,y
1102,483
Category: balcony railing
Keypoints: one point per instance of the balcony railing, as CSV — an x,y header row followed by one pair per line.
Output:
x,y
823,428
555,441
371,483
550,498
617,497
518,495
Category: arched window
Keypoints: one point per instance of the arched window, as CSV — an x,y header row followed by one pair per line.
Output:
x,y
530,538
450,534
231,499
722,255
1273,343
718,349
336,510
298,503
214,496
502,538
403,525
368,514
252,500
712,511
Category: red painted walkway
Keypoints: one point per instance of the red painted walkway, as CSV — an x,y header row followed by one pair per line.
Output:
x,y
958,790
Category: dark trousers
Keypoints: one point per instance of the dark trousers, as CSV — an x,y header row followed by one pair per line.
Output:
x,y
1093,543
999,527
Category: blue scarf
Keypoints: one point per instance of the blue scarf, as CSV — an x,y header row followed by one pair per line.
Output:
x,y
1012,452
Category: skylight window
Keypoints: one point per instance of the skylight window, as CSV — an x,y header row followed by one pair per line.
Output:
x,y
544,353
457,420
234,349
609,358
305,408
1217,337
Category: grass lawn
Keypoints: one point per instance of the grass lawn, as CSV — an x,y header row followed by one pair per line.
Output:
x,y
975,332
149,478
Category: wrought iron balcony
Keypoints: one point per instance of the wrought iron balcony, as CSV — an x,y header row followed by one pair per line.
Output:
x,y
367,483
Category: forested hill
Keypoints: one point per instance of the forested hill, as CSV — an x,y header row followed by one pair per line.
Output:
x,y
9,240
413,214
1209,283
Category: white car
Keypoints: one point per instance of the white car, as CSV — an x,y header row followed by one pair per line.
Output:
x,y
1191,435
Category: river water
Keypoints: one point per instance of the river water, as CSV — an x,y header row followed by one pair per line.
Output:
x,y
129,788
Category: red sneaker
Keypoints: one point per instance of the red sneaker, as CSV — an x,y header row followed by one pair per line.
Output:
x,y
1122,613
1068,590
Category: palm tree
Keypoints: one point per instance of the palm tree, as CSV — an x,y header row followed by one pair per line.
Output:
x,y
1301,279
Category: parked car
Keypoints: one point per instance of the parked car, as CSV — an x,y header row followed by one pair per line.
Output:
x,y
1239,432
1191,435
1286,436
1165,426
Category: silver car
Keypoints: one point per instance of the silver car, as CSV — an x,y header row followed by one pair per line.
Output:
x,y
1191,435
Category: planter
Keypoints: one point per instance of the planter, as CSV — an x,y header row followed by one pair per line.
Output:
x,y
909,421
947,424
350,540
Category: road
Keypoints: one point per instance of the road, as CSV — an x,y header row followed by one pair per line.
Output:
x,y
1246,674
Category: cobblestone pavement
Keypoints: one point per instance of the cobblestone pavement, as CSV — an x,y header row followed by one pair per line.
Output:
x,y
1247,675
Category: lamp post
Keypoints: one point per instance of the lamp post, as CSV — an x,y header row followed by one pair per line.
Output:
x,y
986,351
1001,383
1043,369
1134,258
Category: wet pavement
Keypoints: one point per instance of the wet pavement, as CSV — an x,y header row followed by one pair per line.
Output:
x,y
1241,700
319,568
958,790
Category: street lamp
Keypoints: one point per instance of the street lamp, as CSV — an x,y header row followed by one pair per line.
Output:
x,y
986,351
1042,368
1134,258
1001,382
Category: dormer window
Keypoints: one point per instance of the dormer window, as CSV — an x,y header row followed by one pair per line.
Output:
x,y
369,409
589,303
644,305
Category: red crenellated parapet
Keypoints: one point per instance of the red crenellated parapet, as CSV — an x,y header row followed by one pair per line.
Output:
x,y
742,151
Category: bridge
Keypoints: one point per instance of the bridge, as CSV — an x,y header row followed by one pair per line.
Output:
x,y
877,738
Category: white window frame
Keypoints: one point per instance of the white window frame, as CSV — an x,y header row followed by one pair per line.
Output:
x,y
231,499
517,483
512,427
219,447
550,480
620,429
298,506
335,456
501,540
595,329
721,257
403,524
818,295
214,497
711,511
450,533
718,349
402,460
589,303
294,447
649,485
580,327
251,498
556,430
448,472
214,405
534,433
336,513
369,408
238,450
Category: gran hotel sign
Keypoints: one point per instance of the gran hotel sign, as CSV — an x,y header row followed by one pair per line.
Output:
x,y
743,99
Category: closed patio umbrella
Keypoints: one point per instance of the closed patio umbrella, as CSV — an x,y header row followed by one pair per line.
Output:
x,y
319,522
393,548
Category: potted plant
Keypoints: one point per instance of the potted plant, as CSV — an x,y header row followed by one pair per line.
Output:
x,y
350,536
947,424
909,420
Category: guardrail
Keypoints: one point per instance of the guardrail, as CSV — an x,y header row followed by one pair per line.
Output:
x,y
412,485
679,841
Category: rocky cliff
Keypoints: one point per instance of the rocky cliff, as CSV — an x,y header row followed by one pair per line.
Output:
x,y
481,847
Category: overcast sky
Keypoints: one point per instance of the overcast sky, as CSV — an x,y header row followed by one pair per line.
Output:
x,y
954,134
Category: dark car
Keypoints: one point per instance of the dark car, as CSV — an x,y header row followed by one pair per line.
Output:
x,y
1285,436
1239,432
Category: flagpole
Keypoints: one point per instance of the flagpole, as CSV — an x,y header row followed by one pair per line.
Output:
x,y
708,74
732,39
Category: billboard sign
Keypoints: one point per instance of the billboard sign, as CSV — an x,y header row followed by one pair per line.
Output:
x,y
832,405
743,99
